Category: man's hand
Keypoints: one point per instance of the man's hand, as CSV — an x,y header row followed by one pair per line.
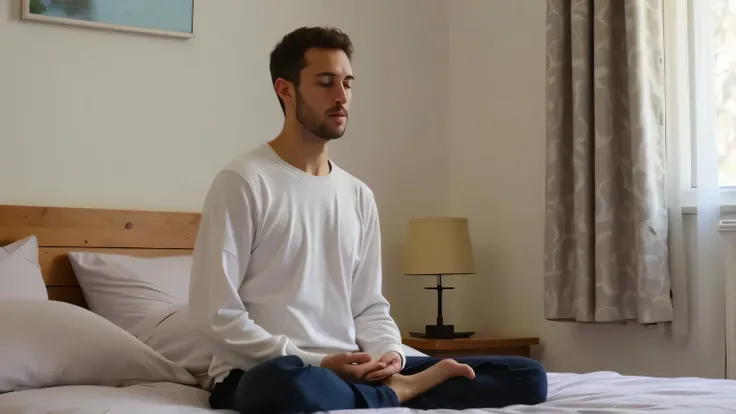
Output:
x,y
352,366
392,362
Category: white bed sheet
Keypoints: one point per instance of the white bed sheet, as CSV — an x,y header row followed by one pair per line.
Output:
x,y
609,392
600,392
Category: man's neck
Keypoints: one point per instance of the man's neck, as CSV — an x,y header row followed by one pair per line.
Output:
x,y
308,154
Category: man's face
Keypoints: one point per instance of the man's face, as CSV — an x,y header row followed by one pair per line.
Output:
x,y
322,99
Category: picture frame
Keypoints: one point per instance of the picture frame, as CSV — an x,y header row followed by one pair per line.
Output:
x,y
172,18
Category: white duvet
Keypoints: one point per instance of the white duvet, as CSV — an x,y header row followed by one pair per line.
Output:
x,y
158,398
601,392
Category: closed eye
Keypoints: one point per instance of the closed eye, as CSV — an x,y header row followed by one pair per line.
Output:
x,y
327,79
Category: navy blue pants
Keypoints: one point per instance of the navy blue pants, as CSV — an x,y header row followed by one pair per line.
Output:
x,y
286,386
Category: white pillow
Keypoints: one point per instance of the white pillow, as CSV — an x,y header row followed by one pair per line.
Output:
x,y
170,333
124,289
50,343
20,274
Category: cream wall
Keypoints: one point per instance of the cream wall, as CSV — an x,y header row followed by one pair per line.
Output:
x,y
104,119
497,125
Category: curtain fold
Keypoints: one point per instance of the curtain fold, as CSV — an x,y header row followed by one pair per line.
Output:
x,y
606,236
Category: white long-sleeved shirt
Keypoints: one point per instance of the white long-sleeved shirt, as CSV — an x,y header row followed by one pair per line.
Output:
x,y
288,263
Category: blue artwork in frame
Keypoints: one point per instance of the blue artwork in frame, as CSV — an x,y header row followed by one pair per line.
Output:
x,y
161,17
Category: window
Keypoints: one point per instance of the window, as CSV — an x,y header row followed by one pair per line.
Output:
x,y
724,88
700,47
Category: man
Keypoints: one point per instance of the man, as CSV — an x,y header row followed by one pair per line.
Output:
x,y
286,280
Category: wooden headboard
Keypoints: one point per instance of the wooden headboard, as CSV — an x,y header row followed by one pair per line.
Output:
x,y
61,230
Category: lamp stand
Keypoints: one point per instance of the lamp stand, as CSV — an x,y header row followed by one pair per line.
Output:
x,y
440,331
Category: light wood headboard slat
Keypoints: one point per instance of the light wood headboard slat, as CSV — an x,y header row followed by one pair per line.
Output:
x,y
81,227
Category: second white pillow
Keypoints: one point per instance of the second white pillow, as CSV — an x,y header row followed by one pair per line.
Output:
x,y
124,289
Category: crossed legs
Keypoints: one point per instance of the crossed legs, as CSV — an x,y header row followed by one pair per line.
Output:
x,y
286,385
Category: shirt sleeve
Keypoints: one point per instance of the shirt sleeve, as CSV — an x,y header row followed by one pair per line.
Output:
x,y
221,255
376,331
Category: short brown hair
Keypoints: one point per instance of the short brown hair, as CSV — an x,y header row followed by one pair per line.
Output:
x,y
287,58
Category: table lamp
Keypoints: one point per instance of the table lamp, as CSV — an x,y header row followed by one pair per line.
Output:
x,y
439,246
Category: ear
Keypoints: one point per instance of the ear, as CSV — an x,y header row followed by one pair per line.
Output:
x,y
285,90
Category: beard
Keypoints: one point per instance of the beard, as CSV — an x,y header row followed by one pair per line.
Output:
x,y
315,122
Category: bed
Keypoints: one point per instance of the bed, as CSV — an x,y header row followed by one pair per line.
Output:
x,y
602,392
58,232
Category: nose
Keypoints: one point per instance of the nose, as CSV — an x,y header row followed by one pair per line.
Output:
x,y
341,95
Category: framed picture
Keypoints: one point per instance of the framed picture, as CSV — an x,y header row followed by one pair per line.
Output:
x,y
159,17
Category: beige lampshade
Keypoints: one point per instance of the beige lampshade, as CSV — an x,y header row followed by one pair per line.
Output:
x,y
439,246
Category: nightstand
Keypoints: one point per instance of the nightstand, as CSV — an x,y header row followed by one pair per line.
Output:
x,y
477,345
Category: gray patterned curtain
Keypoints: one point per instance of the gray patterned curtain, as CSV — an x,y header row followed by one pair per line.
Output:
x,y
606,242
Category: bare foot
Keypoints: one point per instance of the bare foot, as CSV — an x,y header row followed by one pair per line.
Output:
x,y
407,387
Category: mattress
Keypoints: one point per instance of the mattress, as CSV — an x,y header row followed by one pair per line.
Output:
x,y
600,392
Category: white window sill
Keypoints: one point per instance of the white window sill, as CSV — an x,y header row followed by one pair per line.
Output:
x,y
727,225
690,203
693,210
